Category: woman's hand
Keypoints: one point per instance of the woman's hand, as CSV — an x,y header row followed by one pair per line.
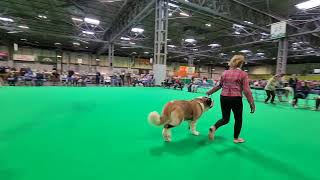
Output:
x,y
208,93
253,108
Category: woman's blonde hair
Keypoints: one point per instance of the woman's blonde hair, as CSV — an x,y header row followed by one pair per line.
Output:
x,y
236,61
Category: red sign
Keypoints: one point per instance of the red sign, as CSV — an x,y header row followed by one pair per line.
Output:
x,y
3,54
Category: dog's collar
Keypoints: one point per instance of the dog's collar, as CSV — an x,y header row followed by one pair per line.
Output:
x,y
202,106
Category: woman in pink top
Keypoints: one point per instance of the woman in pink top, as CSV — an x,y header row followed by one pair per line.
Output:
x,y
233,82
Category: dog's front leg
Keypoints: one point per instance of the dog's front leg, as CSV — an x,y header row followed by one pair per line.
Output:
x,y
193,129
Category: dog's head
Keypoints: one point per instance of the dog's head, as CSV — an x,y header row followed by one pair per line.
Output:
x,y
207,102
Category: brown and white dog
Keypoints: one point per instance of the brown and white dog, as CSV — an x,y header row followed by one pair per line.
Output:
x,y
177,111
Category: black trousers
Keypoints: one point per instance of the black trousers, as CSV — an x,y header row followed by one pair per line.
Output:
x,y
296,97
317,103
228,104
270,94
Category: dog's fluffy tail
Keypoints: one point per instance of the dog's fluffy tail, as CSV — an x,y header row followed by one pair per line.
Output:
x,y
155,118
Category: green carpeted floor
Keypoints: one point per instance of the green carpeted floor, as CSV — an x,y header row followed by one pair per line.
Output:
x,y
65,133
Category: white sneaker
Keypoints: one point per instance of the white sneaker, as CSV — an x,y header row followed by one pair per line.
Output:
x,y
239,140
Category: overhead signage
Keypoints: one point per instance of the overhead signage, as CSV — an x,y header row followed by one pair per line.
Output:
x,y
278,30
21,57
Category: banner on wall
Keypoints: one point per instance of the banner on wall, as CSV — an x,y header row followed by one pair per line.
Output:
x,y
21,57
79,61
47,60
185,71
3,56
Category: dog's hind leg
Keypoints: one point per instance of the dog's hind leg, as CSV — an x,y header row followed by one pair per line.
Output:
x,y
166,132
175,119
193,128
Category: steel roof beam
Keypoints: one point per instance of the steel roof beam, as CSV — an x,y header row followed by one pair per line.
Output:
x,y
133,12
228,17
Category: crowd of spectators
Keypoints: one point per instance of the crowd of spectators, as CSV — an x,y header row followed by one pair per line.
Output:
x,y
27,77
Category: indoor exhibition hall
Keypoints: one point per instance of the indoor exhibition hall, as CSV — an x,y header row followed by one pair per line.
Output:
x,y
159,89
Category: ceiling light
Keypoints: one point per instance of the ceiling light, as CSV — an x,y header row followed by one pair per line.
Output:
x,y
195,49
214,45
170,14
213,69
260,54
295,49
97,59
23,39
57,44
77,19
173,5
13,32
59,56
6,19
245,51
184,14
92,21
168,39
146,52
87,47
42,16
76,44
237,33
88,32
190,40
208,25
233,51
264,34
132,43
24,27
308,4
137,30
248,22
125,38
125,47
237,26
171,46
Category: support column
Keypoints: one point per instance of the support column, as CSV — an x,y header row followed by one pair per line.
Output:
x,y
282,56
10,55
111,57
160,41
190,61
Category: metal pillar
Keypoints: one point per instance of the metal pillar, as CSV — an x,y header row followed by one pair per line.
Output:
x,y
282,56
190,61
160,41
111,56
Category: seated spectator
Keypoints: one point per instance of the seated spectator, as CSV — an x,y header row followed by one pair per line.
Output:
x,y
302,93
12,79
70,78
317,104
55,77
39,79
178,84
107,80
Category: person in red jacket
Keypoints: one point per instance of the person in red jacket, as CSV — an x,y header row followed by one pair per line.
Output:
x,y
233,82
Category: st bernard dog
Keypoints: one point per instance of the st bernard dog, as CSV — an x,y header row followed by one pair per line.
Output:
x,y
177,111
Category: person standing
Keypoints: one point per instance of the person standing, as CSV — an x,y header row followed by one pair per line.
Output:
x,y
98,76
271,89
233,82
302,93
293,81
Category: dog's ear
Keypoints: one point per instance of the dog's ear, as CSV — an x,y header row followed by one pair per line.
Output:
x,y
209,102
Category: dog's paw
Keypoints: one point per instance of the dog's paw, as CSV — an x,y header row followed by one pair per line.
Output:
x,y
196,133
